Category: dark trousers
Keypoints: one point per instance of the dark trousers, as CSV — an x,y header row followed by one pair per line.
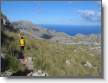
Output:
x,y
22,48
21,53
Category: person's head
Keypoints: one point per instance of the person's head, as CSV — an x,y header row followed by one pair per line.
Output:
x,y
22,37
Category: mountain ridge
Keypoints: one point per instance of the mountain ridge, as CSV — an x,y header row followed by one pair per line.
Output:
x,y
39,32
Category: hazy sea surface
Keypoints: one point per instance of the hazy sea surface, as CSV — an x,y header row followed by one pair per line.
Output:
x,y
73,30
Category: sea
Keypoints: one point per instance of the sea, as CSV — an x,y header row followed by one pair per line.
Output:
x,y
74,29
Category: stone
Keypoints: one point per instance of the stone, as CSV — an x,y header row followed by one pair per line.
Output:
x,y
88,64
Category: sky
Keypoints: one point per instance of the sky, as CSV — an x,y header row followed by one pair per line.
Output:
x,y
54,12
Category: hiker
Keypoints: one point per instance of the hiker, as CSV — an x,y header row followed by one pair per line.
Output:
x,y
21,42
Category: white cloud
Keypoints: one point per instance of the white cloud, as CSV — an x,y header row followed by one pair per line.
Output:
x,y
90,15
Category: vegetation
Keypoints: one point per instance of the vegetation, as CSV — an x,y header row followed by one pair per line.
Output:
x,y
52,57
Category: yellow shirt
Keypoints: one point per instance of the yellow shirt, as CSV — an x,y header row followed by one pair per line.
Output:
x,y
22,42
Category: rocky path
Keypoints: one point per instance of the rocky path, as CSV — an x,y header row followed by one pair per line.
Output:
x,y
28,62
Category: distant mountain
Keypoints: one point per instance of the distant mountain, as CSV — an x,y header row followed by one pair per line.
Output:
x,y
39,32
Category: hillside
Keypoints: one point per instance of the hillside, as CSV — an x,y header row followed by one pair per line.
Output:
x,y
54,58
39,32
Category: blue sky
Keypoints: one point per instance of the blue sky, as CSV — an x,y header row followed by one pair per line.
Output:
x,y
54,12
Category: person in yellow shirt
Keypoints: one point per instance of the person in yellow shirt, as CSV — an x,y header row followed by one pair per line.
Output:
x,y
21,56
22,42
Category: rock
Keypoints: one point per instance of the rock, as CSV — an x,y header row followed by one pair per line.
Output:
x,y
39,73
88,64
8,73
75,50
67,62
3,62
2,55
29,63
